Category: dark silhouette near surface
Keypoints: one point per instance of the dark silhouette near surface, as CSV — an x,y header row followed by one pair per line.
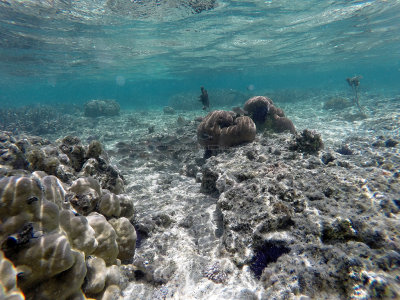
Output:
x,y
204,98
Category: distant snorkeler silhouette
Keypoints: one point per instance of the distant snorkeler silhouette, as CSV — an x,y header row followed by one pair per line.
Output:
x,y
204,98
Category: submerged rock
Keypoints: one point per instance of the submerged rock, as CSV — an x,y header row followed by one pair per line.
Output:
x,y
98,108
308,142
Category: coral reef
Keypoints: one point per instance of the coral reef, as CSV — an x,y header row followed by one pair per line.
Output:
x,y
267,116
221,129
36,119
98,108
64,238
308,142
68,159
302,231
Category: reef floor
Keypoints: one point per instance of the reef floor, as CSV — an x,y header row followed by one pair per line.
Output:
x,y
260,221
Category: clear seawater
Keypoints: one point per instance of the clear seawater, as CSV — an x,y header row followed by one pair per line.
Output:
x,y
142,52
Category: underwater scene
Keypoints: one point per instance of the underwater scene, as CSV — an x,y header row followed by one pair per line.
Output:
x,y
199,149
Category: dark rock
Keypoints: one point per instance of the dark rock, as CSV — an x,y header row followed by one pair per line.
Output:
x,y
391,143
378,143
389,261
268,253
209,179
308,142
345,150
162,220
95,149
327,158
251,155
187,222
76,153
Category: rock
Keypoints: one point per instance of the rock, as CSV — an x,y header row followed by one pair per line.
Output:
x,y
345,150
95,149
98,108
208,182
327,157
168,110
308,142
391,143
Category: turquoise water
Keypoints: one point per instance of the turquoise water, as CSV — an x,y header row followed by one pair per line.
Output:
x,y
142,52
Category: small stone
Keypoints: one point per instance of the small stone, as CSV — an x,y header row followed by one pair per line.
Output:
x,y
378,144
345,150
391,143
327,158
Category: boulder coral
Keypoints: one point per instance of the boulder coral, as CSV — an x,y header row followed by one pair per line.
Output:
x,y
267,116
31,238
52,232
8,280
223,129
126,238
68,160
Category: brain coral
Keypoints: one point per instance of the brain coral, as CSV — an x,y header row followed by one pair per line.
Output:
x,y
267,116
223,129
